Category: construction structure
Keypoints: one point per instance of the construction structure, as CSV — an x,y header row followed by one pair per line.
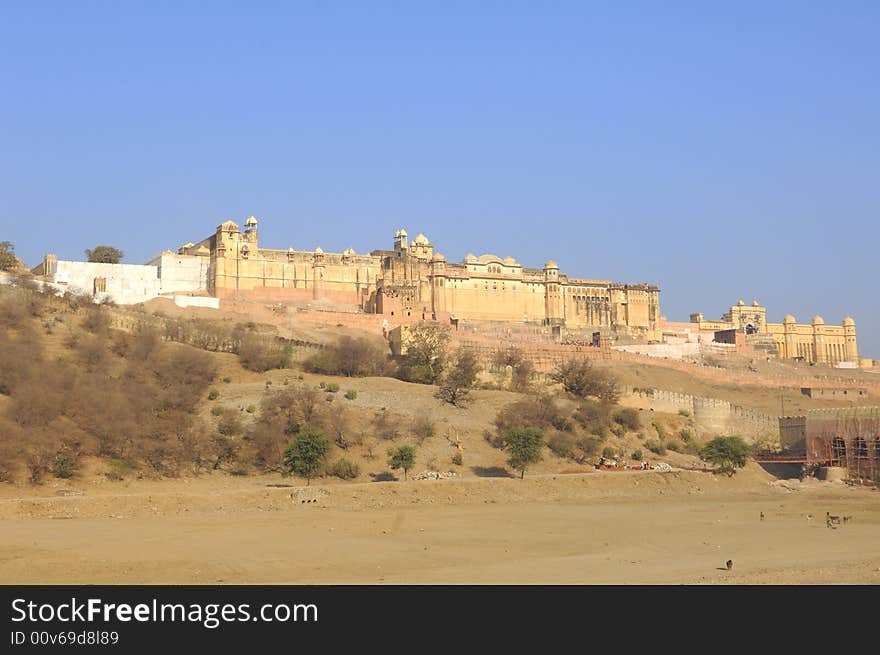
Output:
x,y
848,438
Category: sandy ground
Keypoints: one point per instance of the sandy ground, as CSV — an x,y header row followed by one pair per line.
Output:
x,y
623,528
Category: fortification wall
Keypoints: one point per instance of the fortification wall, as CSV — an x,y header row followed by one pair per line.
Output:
x,y
711,415
122,283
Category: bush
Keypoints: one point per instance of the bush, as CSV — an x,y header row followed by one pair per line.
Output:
x,y
229,424
423,427
609,453
562,445
674,446
62,466
589,446
351,394
592,415
637,455
628,418
345,469
217,410
539,412
331,387
250,409
655,446
457,458
261,353
351,357
214,394
581,379
227,379
683,412
661,429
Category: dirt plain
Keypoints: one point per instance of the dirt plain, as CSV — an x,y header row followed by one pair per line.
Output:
x,y
590,528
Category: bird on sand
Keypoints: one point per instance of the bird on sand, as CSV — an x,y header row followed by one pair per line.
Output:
x,y
729,564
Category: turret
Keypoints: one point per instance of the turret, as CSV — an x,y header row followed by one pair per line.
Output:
x,y
849,332
552,299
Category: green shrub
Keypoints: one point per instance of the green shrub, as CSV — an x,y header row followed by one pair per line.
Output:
x,y
609,453
331,387
655,446
589,446
351,394
217,410
661,429
250,409
227,379
214,394
628,418
637,455
345,469
62,466
457,458
683,412
728,453
674,446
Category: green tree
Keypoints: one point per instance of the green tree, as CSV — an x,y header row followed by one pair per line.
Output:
x,y
727,453
460,378
8,260
402,457
306,453
524,447
425,356
104,255
579,378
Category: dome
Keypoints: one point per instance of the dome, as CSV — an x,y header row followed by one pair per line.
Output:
x,y
190,244
397,234
319,250
290,250
849,322
818,320
755,303
229,225
509,261
348,252
402,232
788,319
470,258
551,264
252,220
740,303
421,239
438,257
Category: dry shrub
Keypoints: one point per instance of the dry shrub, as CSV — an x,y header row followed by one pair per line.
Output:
x,y
261,353
351,357
538,412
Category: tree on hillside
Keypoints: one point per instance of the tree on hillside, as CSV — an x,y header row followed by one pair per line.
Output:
x,y
8,260
104,255
581,379
728,453
403,457
305,454
460,378
524,446
425,356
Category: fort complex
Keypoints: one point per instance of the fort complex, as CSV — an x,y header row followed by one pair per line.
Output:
x,y
816,342
412,282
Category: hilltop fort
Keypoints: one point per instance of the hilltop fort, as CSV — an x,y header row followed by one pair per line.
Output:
x,y
412,281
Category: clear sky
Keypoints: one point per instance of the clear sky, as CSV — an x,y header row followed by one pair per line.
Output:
x,y
724,151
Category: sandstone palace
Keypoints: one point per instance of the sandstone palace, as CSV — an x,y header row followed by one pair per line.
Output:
x,y
412,282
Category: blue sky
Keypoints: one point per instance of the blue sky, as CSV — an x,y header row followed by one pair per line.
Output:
x,y
720,150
